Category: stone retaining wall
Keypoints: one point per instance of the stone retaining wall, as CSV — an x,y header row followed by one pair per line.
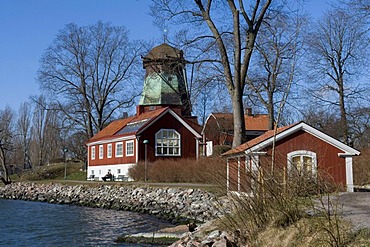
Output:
x,y
174,204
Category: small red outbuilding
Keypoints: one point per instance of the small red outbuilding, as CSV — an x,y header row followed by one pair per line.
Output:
x,y
299,145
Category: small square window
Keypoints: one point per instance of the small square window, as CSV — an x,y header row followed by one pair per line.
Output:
x,y
130,148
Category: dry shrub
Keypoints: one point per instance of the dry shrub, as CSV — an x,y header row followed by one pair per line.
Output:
x,y
305,233
361,168
273,200
204,170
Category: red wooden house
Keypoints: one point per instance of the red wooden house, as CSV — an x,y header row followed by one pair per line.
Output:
x,y
219,128
300,150
163,124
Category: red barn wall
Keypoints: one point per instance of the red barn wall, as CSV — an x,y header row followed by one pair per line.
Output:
x,y
188,140
330,165
328,162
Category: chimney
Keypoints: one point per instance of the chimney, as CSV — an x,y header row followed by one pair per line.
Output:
x,y
139,110
248,111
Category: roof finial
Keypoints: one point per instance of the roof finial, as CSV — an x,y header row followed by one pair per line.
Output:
x,y
165,35
165,32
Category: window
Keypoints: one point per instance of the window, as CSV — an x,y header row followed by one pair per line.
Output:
x,y
118,171
109,151
93,153
167,143
130,148
101,151
302,163
119,149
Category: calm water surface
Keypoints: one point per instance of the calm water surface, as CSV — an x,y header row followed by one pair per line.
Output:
x,y
25,223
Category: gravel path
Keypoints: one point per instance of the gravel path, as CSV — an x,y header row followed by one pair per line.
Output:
x,y
356,208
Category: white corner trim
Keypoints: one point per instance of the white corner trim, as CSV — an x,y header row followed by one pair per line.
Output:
x,y
349,174
197,148
137,151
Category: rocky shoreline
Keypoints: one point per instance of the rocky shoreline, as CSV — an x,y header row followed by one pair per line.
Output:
x,y
178,205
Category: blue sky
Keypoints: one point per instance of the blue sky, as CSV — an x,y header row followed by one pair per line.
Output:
x,y
28,27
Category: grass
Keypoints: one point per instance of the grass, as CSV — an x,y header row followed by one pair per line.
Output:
x,y
53,172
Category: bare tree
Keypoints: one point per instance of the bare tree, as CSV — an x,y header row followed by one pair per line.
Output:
x,y
76,145
88,71
277,52
24,131
46,141
359,7
336,53
227,29
6,141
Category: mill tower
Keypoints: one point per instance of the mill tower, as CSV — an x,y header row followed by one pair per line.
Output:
x,y
165,83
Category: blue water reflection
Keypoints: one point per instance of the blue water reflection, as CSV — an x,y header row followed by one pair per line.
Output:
x,y
24,223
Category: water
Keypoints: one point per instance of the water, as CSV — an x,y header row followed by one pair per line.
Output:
x,y
25,223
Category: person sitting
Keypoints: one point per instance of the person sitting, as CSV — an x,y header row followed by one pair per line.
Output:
x,y
108,176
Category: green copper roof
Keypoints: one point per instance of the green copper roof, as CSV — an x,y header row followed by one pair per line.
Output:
x,y
161,89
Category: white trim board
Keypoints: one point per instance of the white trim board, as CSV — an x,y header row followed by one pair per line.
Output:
x,y
309,129
177,117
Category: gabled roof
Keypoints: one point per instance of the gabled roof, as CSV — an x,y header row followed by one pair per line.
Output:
x,y
111,129
180,119
136,125
267,139
225,121
116,126
164,51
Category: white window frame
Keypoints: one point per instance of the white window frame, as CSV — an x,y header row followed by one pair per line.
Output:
x,y
118,144
93,152
130,143
302,153
159,136
109,150
101,152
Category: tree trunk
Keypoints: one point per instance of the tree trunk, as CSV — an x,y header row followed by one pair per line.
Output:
x,y
271,112
5,178
343,114
239,122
